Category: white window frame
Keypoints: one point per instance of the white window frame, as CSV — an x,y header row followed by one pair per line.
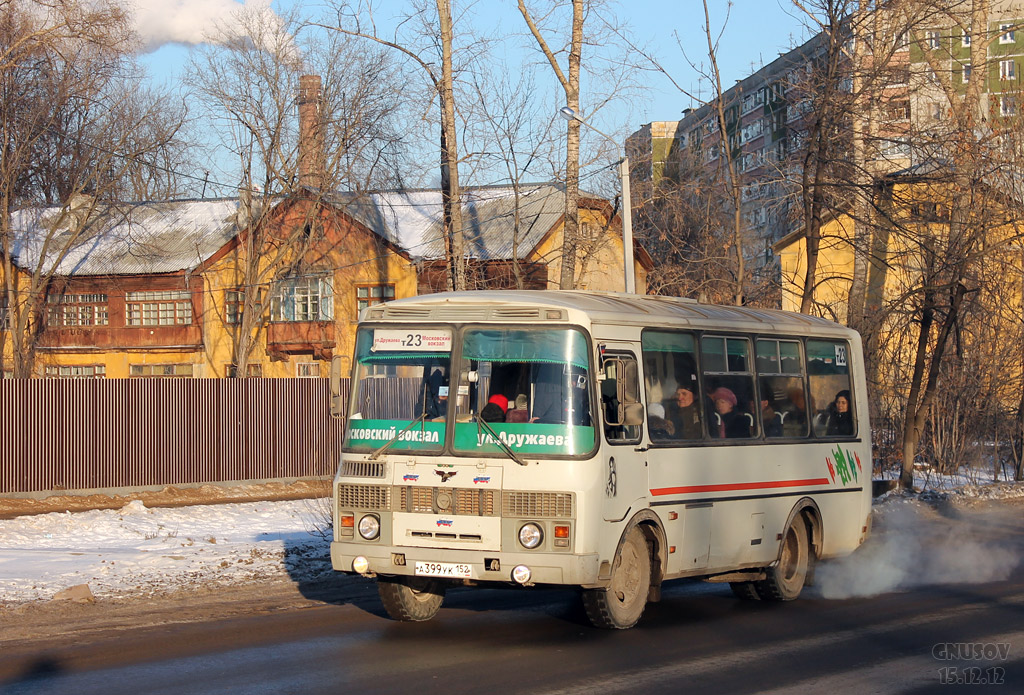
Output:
x,y
1007,34
161,371
965,73
305,298
1008,69
1008,105
933,39
77,310
965,40
307,370
158,308
75,371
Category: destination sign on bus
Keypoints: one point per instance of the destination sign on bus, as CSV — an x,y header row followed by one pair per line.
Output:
x,y
411,341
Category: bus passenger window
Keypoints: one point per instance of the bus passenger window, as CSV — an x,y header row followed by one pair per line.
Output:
x,y
670,381
783,405
729,385
828,372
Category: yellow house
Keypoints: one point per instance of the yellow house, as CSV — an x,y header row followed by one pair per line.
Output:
x,y
916,257
199,289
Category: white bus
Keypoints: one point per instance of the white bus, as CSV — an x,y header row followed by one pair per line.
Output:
x,y
603,441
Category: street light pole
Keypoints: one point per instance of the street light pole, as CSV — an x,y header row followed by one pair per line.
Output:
x,y
627,208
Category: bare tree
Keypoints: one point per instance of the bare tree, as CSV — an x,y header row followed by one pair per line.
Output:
x,y
249,83
77,136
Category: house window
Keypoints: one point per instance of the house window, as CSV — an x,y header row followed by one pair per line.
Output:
x,y
368,295
252,370
307,298
160,370
1007,69
902,41
76,371
161,308
70,310
234,304
938,113
932,39
1008,106
966,74
897,110
307,370
1007,34
965,40
5,318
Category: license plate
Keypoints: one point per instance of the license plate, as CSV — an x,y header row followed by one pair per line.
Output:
x,y
443,569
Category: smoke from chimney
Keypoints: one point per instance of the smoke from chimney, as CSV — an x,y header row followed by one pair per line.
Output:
x,y
311,136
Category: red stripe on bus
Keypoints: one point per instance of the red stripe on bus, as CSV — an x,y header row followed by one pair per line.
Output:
x,y
739,486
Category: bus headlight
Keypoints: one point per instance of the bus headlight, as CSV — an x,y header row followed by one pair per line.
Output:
x,y
530,535
369,527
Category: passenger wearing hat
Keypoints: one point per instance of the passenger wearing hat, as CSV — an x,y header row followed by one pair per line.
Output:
x,y
495,409
684,414
657,425
730,422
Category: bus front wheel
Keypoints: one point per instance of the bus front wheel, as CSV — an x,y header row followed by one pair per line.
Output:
x,y
785,580
621,604
410,599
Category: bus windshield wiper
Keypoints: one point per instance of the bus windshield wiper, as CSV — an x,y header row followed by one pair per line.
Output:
x,y
499,441
381,450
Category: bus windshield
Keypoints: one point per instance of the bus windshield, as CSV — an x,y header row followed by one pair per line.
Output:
x,y
401,382
532,388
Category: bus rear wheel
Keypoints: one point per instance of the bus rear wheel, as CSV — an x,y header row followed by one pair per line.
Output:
x,y
785,580
410,599
621,604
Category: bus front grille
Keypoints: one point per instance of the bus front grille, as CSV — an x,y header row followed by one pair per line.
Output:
x,y
363,469
537,504
432,500
363,497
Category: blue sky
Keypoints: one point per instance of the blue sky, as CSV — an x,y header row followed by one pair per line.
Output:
x,y
756,32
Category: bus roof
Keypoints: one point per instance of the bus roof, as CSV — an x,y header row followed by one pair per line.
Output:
x,y
588,307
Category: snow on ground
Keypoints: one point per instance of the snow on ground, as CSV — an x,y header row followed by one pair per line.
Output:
x,y
137,551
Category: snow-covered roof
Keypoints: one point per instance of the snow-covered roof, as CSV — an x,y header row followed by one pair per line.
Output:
x,y
123,239
413,219
167,237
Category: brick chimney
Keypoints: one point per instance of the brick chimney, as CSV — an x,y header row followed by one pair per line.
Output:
x,y
311,136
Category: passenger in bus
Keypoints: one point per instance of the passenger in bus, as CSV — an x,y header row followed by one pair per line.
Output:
x,y
730,422
433,399
657,425
495,409
684,414
518,412
840,417
794,423
772,420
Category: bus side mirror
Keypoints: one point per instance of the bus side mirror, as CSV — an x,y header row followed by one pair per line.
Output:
x,y
337,397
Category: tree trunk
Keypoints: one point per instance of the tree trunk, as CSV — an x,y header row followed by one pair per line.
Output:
x,y
451,196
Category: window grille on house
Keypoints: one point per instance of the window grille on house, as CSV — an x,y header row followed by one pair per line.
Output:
x,y
368,295
304,298
252,370
160,370
234,304
307,370
159,308
75,371
72,310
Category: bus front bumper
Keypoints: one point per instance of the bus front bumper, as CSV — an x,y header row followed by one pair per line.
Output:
x,y
486,566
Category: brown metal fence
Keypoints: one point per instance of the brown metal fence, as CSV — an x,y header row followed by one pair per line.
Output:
x,y
77,434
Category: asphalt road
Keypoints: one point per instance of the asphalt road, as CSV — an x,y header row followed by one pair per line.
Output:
x,y
699,638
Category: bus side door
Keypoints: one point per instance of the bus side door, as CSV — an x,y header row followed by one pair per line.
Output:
x,y
622,419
